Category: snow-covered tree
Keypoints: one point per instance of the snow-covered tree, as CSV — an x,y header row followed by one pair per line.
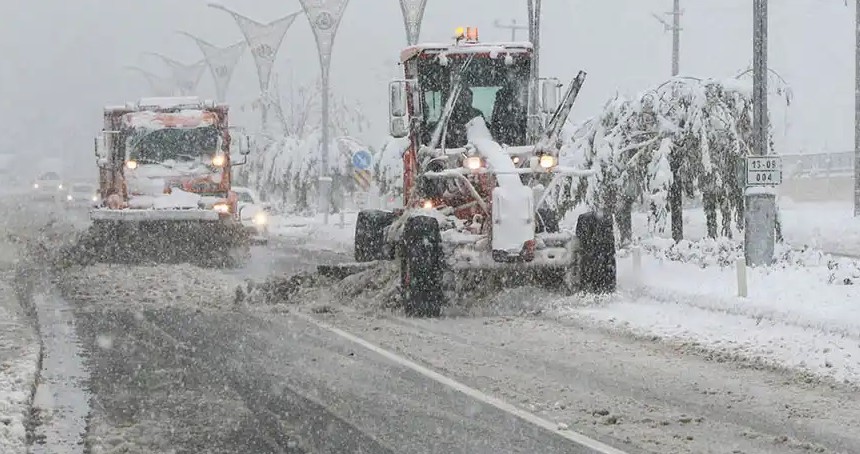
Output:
x,y
685,137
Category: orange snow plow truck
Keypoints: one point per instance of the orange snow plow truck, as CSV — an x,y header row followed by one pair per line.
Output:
x,y
165,185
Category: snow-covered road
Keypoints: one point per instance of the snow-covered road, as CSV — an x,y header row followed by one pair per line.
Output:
x,y
179,361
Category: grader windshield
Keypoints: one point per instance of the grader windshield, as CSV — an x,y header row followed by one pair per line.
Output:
x,y
498,89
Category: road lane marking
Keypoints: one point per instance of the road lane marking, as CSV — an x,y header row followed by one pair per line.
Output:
x,y
568,434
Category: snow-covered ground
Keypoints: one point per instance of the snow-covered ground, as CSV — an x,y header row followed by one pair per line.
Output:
x,y
801,314
19,357
796,315
335,236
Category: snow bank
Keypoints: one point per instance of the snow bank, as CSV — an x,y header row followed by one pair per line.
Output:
x,y
19,359
796,315
315,234
149,286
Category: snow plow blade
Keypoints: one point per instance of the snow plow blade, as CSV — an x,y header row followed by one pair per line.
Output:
x,y
202,242
341,271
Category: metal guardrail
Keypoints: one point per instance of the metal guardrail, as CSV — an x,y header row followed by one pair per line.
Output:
x,y
818,165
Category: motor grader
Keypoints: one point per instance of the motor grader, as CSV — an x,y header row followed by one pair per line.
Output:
x,y
165,185
473,177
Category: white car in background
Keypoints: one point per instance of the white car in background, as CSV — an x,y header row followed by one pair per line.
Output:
x,y
82,195
48,185
253,214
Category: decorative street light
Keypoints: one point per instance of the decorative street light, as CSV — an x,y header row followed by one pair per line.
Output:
x,y
186,76
222,62
160,86
413,15
264,40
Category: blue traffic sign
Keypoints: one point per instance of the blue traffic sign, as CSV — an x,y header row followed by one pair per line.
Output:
x,y
362,160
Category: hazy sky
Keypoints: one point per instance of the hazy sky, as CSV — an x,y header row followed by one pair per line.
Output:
x,y
64,59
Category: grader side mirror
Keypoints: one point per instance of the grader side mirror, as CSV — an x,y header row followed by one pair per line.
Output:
x,y
398,106
550,94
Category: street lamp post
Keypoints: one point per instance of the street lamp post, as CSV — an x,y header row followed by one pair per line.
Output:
x,y
324,17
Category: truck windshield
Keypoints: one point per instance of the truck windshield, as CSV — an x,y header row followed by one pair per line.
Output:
x,y
499,93
171,143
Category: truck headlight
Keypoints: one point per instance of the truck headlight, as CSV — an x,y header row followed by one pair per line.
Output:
x,y
35,185
60,186
219,160
221,208
69,198
95,198
261,218
131,164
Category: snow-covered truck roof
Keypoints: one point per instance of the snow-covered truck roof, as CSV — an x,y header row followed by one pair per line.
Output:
x,y
166,103
466,48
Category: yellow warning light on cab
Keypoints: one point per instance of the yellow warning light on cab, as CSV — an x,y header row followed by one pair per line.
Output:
x,y
467,33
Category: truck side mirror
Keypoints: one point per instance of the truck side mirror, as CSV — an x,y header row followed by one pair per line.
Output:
x,y
550,94
245,146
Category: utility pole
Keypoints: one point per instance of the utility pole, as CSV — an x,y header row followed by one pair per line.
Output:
x,y
513,27
857,113
675,28
760,205
676,196
534,119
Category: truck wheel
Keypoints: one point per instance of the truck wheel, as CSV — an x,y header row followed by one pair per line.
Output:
x,y
597,270
421,268
370,235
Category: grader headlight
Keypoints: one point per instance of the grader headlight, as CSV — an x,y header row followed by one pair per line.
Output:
x,y
473,163
547,161
131,164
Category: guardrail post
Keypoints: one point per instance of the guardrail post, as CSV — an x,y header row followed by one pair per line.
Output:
x,y
741,265
637,265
